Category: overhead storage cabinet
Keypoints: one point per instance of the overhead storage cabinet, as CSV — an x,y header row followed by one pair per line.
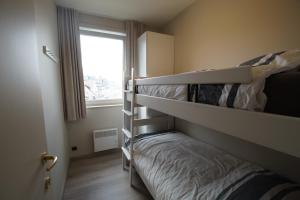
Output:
x,y
155,54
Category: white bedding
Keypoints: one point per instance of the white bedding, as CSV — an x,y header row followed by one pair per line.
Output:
x,y
194,168
174,166
177,92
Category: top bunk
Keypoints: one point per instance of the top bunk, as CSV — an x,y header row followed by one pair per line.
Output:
x,y
267,83
243,73
275,130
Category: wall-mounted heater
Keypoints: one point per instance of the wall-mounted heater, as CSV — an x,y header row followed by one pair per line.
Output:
x,y
105,139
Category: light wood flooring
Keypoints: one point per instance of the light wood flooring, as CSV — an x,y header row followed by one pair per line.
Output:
x,y
101,177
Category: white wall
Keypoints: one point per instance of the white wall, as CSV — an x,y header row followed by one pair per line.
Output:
x,y
22,135
56,133
80,132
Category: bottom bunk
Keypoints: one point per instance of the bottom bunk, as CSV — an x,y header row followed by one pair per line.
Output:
x,y
175,166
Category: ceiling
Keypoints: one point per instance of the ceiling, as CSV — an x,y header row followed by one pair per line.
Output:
x,y
151,12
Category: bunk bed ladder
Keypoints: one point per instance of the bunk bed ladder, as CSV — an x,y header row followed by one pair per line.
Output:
x,y
130,121
132,105
128,134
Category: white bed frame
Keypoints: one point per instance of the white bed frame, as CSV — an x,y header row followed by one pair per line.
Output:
x,y
229,75
278,132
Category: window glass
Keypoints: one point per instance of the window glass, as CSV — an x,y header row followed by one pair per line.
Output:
x,y
102,63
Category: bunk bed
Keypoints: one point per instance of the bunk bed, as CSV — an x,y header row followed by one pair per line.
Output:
x,y
272,130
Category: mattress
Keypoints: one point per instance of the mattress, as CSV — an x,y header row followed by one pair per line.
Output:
x,y
174,166
177,92
275,88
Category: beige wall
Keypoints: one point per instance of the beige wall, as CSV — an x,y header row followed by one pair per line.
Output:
x,y
218,34
55,127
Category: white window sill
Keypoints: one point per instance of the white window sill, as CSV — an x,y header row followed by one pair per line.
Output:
x,y
104,106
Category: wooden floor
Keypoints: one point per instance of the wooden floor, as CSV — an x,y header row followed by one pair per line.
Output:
x,y
101,177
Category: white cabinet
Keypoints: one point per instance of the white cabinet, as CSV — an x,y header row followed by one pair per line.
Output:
x,y
155,54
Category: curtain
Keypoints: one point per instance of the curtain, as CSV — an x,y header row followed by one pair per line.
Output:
x,y
70,56
133,31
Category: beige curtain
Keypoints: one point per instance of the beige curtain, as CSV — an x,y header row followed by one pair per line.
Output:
x,y
70,56
133,31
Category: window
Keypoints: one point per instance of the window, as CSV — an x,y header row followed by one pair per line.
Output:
x,y
102,63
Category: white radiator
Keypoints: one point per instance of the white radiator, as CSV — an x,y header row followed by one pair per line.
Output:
x,y
105,139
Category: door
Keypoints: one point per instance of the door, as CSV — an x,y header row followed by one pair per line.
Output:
x,y
22,138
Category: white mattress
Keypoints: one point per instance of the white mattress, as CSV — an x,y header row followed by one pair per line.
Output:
x,y
174,166
194,168
177,92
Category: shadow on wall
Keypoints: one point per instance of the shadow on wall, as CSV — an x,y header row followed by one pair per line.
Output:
x,y
281,163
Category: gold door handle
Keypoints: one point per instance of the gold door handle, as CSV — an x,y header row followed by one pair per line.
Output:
x,y
46,157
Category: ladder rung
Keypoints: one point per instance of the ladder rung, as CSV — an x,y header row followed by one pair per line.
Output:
x,y
126,153
127,112
128,91
127,133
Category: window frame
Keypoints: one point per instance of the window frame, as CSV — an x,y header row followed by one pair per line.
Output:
x,y
110,35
